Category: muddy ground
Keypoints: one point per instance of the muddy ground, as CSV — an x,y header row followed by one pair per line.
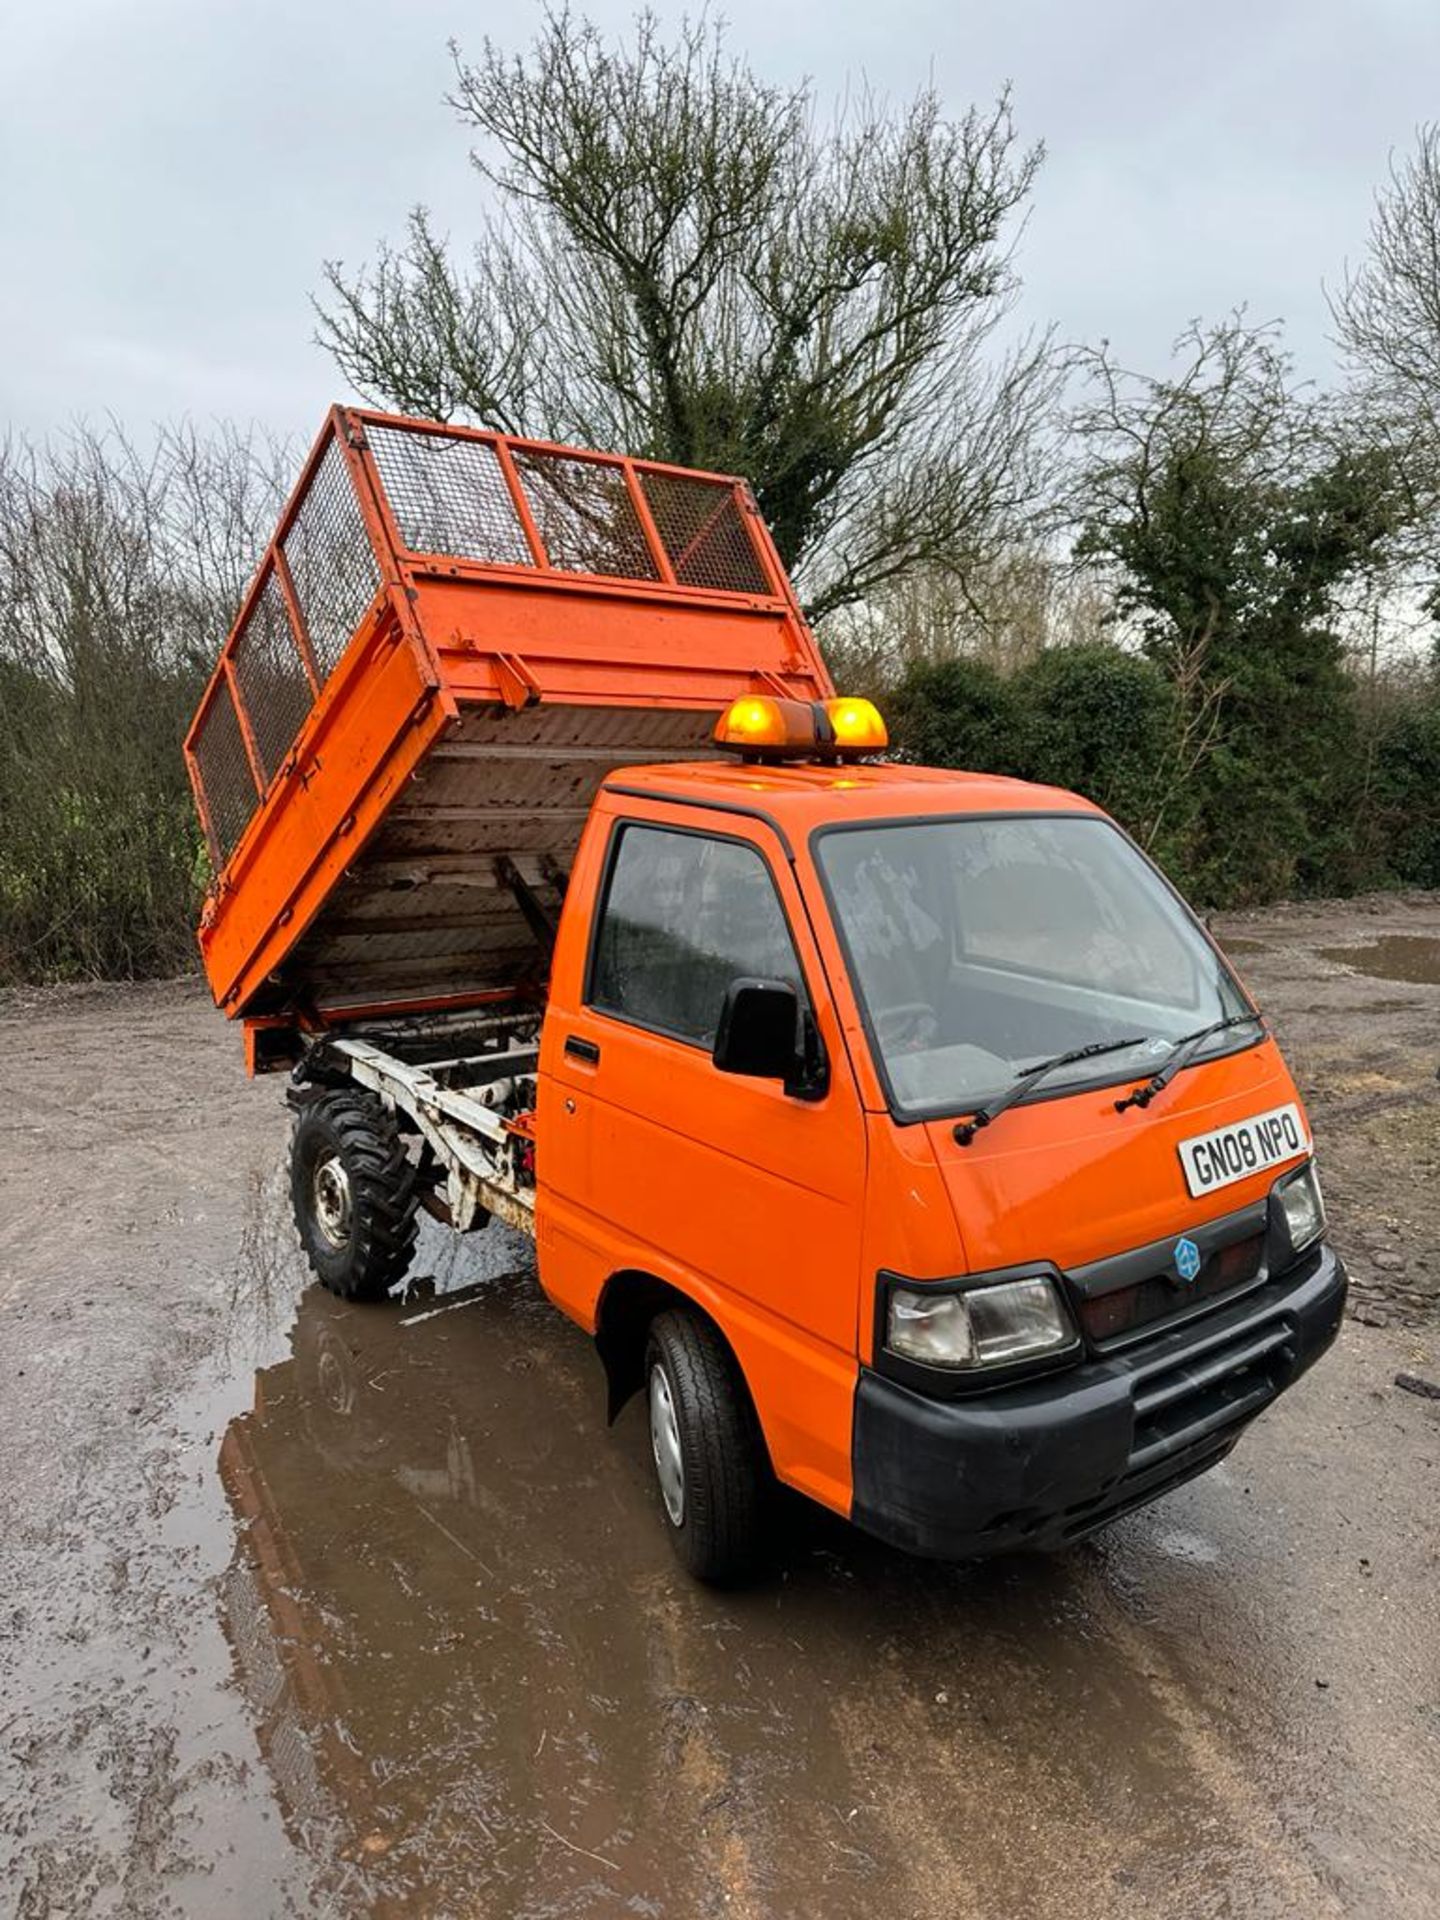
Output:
x,y
313,1610
1353,990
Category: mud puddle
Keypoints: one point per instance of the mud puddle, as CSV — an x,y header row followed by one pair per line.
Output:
x,y
481,1685
1414,958
129,1783
317,1610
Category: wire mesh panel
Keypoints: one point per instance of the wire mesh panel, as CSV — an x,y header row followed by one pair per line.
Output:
x,y
704,533
274,686
449,496
331,561
225,775
583,511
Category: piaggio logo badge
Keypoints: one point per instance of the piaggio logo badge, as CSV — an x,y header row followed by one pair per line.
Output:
x,y
1187,1259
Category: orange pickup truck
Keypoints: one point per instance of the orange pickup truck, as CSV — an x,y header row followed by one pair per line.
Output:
x,y
899,1133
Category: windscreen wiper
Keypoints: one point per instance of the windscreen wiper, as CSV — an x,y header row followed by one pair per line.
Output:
x,y
966,1130
1182,1052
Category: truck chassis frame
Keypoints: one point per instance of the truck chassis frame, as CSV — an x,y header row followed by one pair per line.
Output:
x,y
486,1157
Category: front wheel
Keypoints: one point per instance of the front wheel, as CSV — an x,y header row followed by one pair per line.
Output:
x,y
706,1447
353,1190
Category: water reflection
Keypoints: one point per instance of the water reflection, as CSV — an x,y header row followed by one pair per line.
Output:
x,y
482,1686
1411,957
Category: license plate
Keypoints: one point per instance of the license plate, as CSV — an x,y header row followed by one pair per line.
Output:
x,y
1219,1159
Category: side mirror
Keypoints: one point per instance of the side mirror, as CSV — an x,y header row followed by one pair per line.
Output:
x,y
765,1034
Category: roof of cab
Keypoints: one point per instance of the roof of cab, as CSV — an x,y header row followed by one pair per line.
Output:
x,y
806,795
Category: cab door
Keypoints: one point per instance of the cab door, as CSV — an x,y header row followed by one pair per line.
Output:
x,y
746,1198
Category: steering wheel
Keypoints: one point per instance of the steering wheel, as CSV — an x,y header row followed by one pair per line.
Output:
x,y
909,1028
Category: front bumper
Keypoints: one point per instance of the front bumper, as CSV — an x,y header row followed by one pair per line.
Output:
x,y
1048,1461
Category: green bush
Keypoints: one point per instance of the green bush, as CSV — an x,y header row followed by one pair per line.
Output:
x,y
1405,790
1274,805
119,573
958,713
1093,719
100,856
1103,723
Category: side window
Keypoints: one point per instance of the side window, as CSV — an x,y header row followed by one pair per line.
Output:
x,y
684,915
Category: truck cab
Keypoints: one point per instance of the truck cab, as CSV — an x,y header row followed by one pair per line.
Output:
x,y
970,1325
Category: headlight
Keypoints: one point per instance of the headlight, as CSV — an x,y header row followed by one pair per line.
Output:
x,y
1302,1210
981,1327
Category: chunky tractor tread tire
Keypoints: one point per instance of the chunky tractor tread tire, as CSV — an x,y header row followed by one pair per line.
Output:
x,y
720,1537
384,1199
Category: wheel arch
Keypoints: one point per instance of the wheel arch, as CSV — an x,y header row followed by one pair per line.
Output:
x,y
629,1300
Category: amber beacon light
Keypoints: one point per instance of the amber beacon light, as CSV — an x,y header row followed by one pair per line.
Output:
x,y
762,727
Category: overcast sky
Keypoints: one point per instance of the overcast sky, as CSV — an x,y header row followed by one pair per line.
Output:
x,y
174,172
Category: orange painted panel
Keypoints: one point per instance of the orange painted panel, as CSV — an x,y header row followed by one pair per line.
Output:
x,y
315,819
747,1201
510,619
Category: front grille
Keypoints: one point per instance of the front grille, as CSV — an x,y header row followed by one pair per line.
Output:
x,y
1108,1317
1188,1415
1204,1395
1138,1488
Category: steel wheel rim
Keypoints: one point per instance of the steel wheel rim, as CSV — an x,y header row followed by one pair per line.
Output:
x,y
665,1445
330,1190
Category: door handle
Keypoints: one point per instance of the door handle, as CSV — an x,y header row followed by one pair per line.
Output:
x,y
579,1049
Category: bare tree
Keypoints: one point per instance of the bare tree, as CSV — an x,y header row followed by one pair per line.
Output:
x,y
1387,319
1388,311
119,572
1005,612
683,262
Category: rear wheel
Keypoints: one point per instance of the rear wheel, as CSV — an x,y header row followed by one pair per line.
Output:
x,y
353,1190
709,1462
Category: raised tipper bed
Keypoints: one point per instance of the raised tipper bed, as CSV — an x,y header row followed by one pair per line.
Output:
x,y
452,639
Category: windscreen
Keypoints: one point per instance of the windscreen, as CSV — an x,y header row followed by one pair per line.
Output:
x,y
981,947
